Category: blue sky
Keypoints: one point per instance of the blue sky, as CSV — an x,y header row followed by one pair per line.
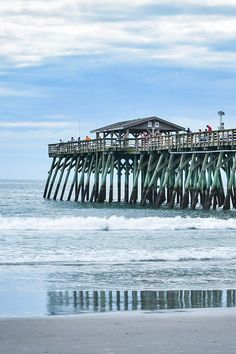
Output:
x,y
69,66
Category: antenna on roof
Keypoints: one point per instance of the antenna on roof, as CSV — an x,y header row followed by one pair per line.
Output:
x,y
222,124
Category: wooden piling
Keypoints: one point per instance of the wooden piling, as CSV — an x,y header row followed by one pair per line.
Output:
x,y
85,193
111,179
81,181
72,160
185,201
126,187
60,178
102,192
199,184
57,167
49,177
230,184
213,190
134,193
74,179
119,179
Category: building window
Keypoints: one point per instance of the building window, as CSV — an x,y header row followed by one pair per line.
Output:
x,y
157,124
149,124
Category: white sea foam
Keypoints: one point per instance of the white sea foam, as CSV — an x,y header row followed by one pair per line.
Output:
x,y
115,223
120,256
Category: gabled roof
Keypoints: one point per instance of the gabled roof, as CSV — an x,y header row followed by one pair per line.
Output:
x,y
123,125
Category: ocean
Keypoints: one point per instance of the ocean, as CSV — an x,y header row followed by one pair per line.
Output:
x,y
66,257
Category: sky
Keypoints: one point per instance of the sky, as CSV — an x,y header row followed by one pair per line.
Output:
x,y
70,66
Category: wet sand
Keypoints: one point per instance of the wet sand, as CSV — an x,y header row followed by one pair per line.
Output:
x,y
200,331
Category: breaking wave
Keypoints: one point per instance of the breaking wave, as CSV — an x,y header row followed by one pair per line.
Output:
x,y
115,223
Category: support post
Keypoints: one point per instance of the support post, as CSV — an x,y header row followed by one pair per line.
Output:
x,y
74,179
95,189
164,180
102,192
126,179
177,180
81,180
153,179
60,178
230,183
199,184
86,189
57,167
134,193
111,179
49,177
147,179
119,179
67,176
185,200
215,181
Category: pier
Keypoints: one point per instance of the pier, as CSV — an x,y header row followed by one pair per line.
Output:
x,y
148,161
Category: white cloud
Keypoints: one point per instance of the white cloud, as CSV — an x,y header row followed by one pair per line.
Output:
x,y
45,6
34,124
33,31
14,92
41,133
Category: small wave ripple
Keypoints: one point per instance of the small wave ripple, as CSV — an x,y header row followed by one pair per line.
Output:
x,y
124,256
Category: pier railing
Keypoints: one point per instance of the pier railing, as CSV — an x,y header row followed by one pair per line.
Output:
x,y
220,139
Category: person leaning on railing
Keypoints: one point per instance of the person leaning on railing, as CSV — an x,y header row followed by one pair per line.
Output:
x,y
209,128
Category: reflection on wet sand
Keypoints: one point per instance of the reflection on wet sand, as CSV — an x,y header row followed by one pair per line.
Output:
x,y
69,302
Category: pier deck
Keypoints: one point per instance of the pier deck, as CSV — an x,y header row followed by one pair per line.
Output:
x,y
225,139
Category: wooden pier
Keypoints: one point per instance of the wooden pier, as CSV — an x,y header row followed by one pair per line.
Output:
x,y
146,166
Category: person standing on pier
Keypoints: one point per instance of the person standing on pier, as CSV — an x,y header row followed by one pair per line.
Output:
x,y
189,131
209,128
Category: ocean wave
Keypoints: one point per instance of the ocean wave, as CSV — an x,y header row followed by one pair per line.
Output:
x,y
119,257
115,223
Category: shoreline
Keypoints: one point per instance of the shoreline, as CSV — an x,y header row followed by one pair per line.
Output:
x,y
201,311
176,331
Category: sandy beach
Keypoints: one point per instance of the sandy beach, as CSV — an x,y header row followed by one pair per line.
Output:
x,y
204,331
